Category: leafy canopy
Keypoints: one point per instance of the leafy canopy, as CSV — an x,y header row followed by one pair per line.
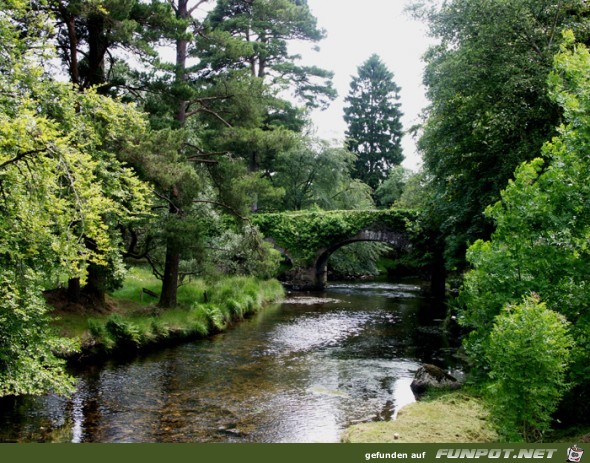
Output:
x,y
542,225
62,185
490,110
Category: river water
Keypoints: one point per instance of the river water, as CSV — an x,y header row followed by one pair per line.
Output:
x,y
301,371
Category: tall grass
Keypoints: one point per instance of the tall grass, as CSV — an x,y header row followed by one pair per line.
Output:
x,y
204,307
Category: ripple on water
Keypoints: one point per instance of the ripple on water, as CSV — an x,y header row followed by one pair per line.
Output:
x,y
388,290
305,300
313,331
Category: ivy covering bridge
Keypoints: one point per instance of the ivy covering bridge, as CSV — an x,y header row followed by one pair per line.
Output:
x,y
307,239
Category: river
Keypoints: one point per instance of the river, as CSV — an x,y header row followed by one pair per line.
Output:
x,y
300,371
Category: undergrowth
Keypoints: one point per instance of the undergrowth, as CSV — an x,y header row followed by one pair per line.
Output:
x,y
203,308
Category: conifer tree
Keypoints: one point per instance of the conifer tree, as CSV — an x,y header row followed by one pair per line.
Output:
x,y
374,126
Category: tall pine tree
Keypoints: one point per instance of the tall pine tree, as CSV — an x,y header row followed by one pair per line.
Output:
x,y
374,126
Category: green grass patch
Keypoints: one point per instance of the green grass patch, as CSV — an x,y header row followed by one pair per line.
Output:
x,y
454,417
132,290
136,322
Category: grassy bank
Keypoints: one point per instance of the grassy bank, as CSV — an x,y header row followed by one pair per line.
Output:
x,y
447,417
454,417
134,322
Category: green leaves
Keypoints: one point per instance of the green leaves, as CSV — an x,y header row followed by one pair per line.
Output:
x,y
303,234
542,232
64,190
528,352
490,111
255,36
27,346
312,174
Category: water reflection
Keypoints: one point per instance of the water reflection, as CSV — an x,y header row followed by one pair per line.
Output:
x,y
299,372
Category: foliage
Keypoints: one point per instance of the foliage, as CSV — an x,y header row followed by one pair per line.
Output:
x,y
542,225
315,174
64,190
302,234
245,254
393,187
258,146
542,228
490,110
27,345
255,36
92,36
211,122
357,260
417,191
528,352
373,117
228,122
204,307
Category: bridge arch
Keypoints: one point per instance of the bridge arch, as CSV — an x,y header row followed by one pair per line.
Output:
x,y
308,239
399,240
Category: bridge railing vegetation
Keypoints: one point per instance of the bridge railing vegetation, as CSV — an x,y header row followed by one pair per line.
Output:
x,y
301,234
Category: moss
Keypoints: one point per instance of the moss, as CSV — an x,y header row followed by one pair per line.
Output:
x,y
452,418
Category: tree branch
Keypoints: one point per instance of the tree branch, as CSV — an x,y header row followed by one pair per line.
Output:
x,y
199,3
223,206
169,201
203,109
22,155
174,8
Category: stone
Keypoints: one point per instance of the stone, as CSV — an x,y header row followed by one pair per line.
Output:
x,y
430,376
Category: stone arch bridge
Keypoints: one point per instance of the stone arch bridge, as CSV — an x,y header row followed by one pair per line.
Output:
x,y
307,239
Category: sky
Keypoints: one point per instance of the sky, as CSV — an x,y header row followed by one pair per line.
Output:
x,y
355,30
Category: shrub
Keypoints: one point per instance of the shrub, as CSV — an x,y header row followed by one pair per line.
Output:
x,y
528,352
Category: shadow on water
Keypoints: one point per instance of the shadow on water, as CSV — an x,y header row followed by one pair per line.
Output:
x,y
297,372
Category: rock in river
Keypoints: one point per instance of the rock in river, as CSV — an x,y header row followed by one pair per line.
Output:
x,y
430,376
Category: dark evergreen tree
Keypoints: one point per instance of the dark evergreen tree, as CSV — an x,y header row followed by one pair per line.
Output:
x,y
255,34
374,126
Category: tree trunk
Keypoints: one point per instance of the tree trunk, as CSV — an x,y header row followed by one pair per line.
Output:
x,y
172,264
94,290
69,20
97,47
438,276
74,290
170,279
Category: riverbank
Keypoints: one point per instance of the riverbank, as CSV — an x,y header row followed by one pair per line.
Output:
x,y
454,417
133,322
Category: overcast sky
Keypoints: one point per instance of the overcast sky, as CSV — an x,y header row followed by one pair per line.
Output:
x,y
356,30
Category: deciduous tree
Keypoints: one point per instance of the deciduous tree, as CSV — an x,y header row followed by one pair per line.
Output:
x,y
542,223
486,79
61,185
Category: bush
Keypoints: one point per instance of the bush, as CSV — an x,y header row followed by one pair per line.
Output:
x,y
528,352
